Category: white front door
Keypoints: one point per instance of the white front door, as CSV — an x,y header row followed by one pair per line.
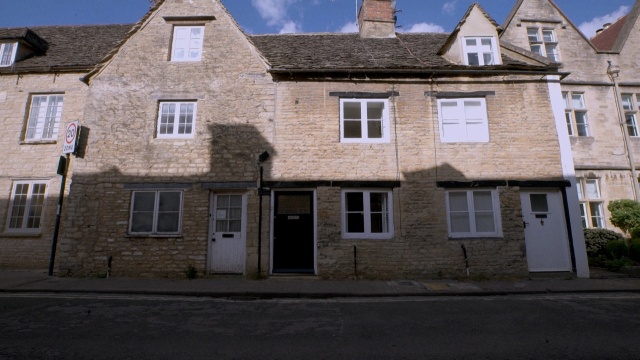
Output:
x,y
545,231
227,236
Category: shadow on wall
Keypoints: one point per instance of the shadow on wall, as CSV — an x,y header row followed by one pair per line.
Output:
x,y
97,210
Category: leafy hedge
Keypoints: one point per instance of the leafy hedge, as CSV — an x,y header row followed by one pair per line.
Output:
x,y
597,239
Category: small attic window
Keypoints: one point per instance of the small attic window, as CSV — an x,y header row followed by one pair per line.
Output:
x,y
480,51
7,53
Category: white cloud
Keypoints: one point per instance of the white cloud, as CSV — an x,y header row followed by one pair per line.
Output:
x,y
290,27
589,27
449,7
273,11
424,28
350,27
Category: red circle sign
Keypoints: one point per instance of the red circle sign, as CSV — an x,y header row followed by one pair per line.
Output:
x,y
72,131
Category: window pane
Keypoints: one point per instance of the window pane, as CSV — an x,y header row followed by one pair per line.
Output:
x,y
568,117
378,201
488,58
565,97
482,201
473,59
352,110
485,42
374,129
458,201
19,206
7,54
632,127
537,48
579,186
378,225
539,203
484,222
35,206
627,101
169,201
583,215
460,223
222,226
471,42
354,201
577,100
355,223
551,52
548,36
581,124
168,222
143,209
142,222
352,129
293,204
596,215
592,189
144,201
374,110
532,33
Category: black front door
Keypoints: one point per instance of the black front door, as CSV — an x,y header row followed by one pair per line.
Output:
x,y
293,234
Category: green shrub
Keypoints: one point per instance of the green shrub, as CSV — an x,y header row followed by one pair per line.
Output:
x,y
634,250
617,250
617,264
191,273
625,214
597,239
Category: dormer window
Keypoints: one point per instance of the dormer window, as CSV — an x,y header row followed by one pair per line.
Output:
x,y
7,53
187,43
480,51
543,42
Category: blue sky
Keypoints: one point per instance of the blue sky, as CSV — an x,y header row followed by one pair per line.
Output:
x,y
279,16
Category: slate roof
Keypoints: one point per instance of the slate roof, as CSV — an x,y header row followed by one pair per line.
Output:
x,y
350,52
68,47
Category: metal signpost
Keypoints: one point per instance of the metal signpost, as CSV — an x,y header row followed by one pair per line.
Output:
x,y
68,147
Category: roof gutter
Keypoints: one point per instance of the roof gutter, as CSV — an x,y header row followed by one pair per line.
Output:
x,y
40,70
421,71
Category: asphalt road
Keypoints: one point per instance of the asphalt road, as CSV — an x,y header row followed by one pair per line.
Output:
x,y
507,327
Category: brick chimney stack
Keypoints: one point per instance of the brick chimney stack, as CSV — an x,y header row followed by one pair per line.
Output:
x,y
376,19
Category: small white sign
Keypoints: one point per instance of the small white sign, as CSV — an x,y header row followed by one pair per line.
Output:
x,y
71,137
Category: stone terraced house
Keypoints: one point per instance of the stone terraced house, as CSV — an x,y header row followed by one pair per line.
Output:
x,y
40,92
600,98
372,155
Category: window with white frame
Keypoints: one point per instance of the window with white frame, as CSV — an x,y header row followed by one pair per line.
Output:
x,y
543,42
176,119
364,120
367,214
630,105
27,205
590,203
8,53
44,117
187,43
473,213
575,113
463,120
480,51
156,212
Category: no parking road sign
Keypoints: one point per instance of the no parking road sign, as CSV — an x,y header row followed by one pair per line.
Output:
x,y
71,138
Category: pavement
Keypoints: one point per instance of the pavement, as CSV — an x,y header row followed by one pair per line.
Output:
x,y
239,287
